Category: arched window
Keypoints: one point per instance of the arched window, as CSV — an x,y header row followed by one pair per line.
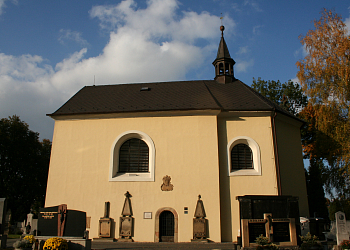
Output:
x,y
132,157
243,155
221,69
227,69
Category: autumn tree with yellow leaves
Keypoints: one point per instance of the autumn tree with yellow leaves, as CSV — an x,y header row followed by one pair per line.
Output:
x,y
324,75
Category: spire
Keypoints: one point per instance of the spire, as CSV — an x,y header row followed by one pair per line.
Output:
x,y
223,63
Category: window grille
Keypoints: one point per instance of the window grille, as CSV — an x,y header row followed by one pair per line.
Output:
x,y
133,156
241,157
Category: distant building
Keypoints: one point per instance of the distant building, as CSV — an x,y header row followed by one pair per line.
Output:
x,y
216,138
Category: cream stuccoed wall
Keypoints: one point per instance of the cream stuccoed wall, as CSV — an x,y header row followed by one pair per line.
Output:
x,y
186,150
257,128
291,160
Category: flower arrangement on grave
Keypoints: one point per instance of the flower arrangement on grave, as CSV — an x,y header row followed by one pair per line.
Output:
x,y
265,243
30,238
309,242
56,243
345,244
26,242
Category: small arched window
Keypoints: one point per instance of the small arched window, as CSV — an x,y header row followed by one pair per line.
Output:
x,y
221,69
133,156
227,69
241,157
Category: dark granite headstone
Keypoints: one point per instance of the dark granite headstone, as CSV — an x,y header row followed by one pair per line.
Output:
x,y
255,206
48,222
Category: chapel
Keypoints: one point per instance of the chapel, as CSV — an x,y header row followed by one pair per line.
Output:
x,y
169,155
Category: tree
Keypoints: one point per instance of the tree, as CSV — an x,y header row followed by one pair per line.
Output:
x,y
291,97
24,163
324,74
287,95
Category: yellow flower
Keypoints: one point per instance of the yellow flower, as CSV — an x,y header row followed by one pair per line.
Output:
x,y
56,243
30,238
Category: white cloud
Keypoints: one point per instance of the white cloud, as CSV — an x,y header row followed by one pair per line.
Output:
x,y
295,80
254,4
347,23
156,43
301,52
242,66
3,5
256,29
243,50
68,35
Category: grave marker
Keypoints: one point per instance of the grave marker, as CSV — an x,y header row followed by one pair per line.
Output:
x,y
272,216
3,238
60,221
342,232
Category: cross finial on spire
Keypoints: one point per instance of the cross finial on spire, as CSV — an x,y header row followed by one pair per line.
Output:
x,y
127,194
222,28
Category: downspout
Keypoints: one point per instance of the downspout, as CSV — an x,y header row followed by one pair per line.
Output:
x,y
277,161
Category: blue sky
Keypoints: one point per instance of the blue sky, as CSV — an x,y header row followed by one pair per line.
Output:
x,y
51,49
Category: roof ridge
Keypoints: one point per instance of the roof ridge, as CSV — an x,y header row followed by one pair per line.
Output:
x,y
141,83
211,94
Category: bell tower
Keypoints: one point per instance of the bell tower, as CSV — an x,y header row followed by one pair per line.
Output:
x,y
223,63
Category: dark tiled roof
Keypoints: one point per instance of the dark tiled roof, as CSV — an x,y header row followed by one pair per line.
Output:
x,y
167,96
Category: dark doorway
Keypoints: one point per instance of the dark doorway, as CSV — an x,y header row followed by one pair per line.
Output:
x,y
166,227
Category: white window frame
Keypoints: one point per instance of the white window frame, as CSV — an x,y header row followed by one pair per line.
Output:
x,y
114,158
256,156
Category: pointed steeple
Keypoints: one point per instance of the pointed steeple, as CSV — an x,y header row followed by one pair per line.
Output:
x,y
223,63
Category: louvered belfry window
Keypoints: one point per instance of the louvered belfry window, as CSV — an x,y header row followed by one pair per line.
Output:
x,y
241,157
133,156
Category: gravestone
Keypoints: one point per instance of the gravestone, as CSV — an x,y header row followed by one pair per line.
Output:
x,y
2,214
200,223
60,221
3,238
126,221
105,223
342,232
276,217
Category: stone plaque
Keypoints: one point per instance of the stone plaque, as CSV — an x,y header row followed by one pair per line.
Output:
x,y
125,226
47,221
281,231
199,228
255,230
342,232
105,227
147,215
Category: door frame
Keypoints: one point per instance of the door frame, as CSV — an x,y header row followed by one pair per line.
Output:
x,y
176,219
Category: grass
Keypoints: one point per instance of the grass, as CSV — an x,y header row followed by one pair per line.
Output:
x,y
13,236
